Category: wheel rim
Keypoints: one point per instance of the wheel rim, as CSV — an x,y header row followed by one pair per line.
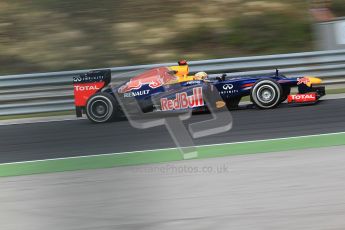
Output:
x,y
99,109
266,94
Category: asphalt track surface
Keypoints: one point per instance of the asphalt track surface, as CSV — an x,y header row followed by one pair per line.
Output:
x,y
287,190
59,139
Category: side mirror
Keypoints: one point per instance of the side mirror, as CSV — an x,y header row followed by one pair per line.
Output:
x,y
223,76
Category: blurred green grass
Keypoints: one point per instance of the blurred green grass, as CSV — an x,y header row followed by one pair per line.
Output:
x,y
51,35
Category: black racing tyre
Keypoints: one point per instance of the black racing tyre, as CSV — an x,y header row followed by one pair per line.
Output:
x,y
266,94
100,108
233,103
286,92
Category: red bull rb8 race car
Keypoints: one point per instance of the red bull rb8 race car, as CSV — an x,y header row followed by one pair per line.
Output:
x,y
171,89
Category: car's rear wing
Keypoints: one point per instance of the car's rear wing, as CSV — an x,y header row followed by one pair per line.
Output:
x,y
86,85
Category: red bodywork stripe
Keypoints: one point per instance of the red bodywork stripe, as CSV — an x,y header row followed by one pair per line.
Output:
x,y
247,85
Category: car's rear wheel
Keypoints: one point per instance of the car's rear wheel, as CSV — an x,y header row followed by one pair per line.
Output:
x,y
100,108
266,94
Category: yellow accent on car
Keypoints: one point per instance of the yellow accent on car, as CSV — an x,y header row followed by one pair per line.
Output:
x,y
315,80
309,81
181,70
220,104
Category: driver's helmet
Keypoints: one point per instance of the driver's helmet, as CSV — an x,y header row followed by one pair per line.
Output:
x,y
200,76
181,70
182,62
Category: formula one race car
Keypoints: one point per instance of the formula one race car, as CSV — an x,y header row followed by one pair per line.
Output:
x,y
171,89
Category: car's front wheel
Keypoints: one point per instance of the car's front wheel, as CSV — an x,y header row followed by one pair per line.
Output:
x,y
266,94
100,108
286,92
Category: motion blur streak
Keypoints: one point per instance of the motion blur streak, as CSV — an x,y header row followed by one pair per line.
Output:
x,y
74,138
287,190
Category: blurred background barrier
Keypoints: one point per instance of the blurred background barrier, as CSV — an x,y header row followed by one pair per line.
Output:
x,y
53,92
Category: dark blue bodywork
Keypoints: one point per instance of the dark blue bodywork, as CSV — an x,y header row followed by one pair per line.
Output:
x,y
229,88
172,90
